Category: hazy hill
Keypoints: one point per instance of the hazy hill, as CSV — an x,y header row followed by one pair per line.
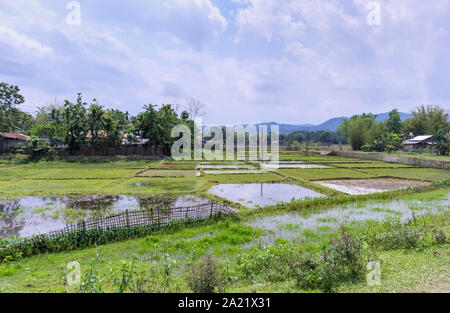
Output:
x,y
330,125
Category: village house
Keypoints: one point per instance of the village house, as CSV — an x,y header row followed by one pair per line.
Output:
x,y
10,140
418,143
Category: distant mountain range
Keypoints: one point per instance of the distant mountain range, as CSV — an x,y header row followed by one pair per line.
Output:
x,y
330,125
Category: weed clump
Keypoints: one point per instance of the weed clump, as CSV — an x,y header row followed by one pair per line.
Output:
x,y
412,235
340,261
205,276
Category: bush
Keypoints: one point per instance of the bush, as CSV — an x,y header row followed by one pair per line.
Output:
x,y
205,276
368,148
414,234
440,237
276,262
340,261
306,274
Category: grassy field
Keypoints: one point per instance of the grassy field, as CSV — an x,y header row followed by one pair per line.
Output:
x,y
425,155
232,241
238,247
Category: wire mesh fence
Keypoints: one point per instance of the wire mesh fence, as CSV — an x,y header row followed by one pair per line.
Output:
x,y
154,215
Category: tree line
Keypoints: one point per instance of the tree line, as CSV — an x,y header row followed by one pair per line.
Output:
x,y
367,134
79,123
364,132
322,136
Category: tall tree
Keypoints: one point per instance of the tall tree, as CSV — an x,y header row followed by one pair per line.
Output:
x,y
424,120
113,125
11,118
195,108
75,120
394,122
361,130
95,122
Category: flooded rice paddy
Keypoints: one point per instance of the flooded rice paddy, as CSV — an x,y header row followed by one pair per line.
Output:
x,y
253,195
225,166
291,165
219,172
39,215
368,186
300,227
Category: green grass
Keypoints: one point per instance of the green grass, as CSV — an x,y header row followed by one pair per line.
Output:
x,y
51,187
226,240
148,186
168,173
412,173
425,156
66,173
369,165
93,165
181,165
316,158
409,272
320,173
42,273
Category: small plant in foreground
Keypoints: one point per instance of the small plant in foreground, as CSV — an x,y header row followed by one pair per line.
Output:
x,y
129,277
91,281
205,276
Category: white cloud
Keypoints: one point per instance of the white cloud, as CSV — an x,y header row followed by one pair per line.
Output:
x,y
22,42
289,61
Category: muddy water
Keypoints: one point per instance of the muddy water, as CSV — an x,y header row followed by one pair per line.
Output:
x,y
208,172
252,195
225,166
39,215
293,226
291,165
368,186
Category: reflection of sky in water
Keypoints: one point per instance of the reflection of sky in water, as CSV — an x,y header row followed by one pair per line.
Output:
x,y
291,165
290,226
39,215
252,195
234,172
225,166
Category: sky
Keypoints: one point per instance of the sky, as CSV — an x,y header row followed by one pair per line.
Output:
x,y
247,61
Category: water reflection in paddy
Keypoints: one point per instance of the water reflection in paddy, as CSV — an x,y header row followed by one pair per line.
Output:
x,y
293,226
38,215
252,195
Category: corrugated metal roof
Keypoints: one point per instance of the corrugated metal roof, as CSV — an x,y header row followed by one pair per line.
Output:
x,y
422,138
418,139
13,136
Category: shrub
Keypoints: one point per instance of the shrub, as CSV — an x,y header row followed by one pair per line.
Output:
x,y
368,148
440,237
306,274
276,262
414,234
339,261
205,276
